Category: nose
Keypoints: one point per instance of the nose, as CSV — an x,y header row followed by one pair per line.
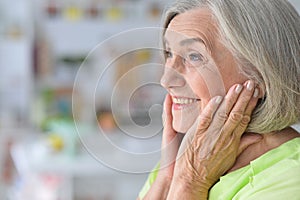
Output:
x,y
171,78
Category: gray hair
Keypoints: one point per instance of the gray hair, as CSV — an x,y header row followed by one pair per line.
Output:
x,y
264,37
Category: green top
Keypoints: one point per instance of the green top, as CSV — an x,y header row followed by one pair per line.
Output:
x,y
275,175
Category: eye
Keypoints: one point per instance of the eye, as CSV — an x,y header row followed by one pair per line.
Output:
x,y
195,57
168,54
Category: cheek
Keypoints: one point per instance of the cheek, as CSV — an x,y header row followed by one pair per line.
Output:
x,y
228,68
183,120
199,87
206,82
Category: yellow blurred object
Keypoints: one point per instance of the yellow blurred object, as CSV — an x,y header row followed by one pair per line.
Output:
x,y
143,56
106,121
14,32
73,13
155,11
114,14
56,142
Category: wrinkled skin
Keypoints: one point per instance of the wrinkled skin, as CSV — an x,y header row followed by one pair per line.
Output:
x,y
214,130
208,150
213,143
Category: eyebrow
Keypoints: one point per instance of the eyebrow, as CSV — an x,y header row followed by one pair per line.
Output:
x,y
187,41
190,41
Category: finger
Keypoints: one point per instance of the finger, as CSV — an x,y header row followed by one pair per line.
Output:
x,y
223,122
241,128
244,98
167,112
202,122
170,138
237,120
168,133
222,113
207,114
235,124
227,105
252,103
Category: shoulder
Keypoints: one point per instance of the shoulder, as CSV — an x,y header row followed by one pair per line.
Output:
x,y
274,175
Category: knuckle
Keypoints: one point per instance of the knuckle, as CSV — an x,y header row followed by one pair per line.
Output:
x,y
222,116
236,116
204,122
245,120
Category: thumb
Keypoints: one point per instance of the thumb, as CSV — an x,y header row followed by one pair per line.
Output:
x,y
170,139
248,139
167,112
168,133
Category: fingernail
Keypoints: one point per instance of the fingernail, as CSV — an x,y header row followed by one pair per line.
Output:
x,y
218,99
250,85
256,92
238,88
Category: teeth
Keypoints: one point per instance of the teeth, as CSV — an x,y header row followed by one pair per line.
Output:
x,y
183,100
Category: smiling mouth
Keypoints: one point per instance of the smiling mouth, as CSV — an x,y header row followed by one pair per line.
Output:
x,y
184,101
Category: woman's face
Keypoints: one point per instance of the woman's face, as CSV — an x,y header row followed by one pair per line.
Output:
x,y
198,66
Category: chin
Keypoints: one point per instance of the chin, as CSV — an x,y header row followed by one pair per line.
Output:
x,y
184,119
180,128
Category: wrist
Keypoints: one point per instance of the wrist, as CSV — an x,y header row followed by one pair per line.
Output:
x,y
164,179
192,178
159,189
183,188
166,171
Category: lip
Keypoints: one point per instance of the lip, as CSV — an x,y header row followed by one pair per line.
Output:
x,y
184,102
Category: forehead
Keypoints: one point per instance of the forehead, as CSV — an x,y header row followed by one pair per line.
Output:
x,y
194,23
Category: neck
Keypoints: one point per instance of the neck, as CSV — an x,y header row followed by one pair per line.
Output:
x,y
275,139
268,142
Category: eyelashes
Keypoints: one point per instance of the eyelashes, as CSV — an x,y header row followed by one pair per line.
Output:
x,y
168,54
192,58
195,57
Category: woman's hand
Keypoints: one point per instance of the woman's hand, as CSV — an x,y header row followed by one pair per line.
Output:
x,y
170,142
211,146
169,149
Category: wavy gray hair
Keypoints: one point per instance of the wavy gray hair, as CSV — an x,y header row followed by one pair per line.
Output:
x,y
264,37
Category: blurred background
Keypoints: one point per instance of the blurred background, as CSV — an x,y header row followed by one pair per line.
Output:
x,y
42,45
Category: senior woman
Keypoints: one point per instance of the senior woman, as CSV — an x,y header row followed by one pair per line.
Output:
x,y
232,72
